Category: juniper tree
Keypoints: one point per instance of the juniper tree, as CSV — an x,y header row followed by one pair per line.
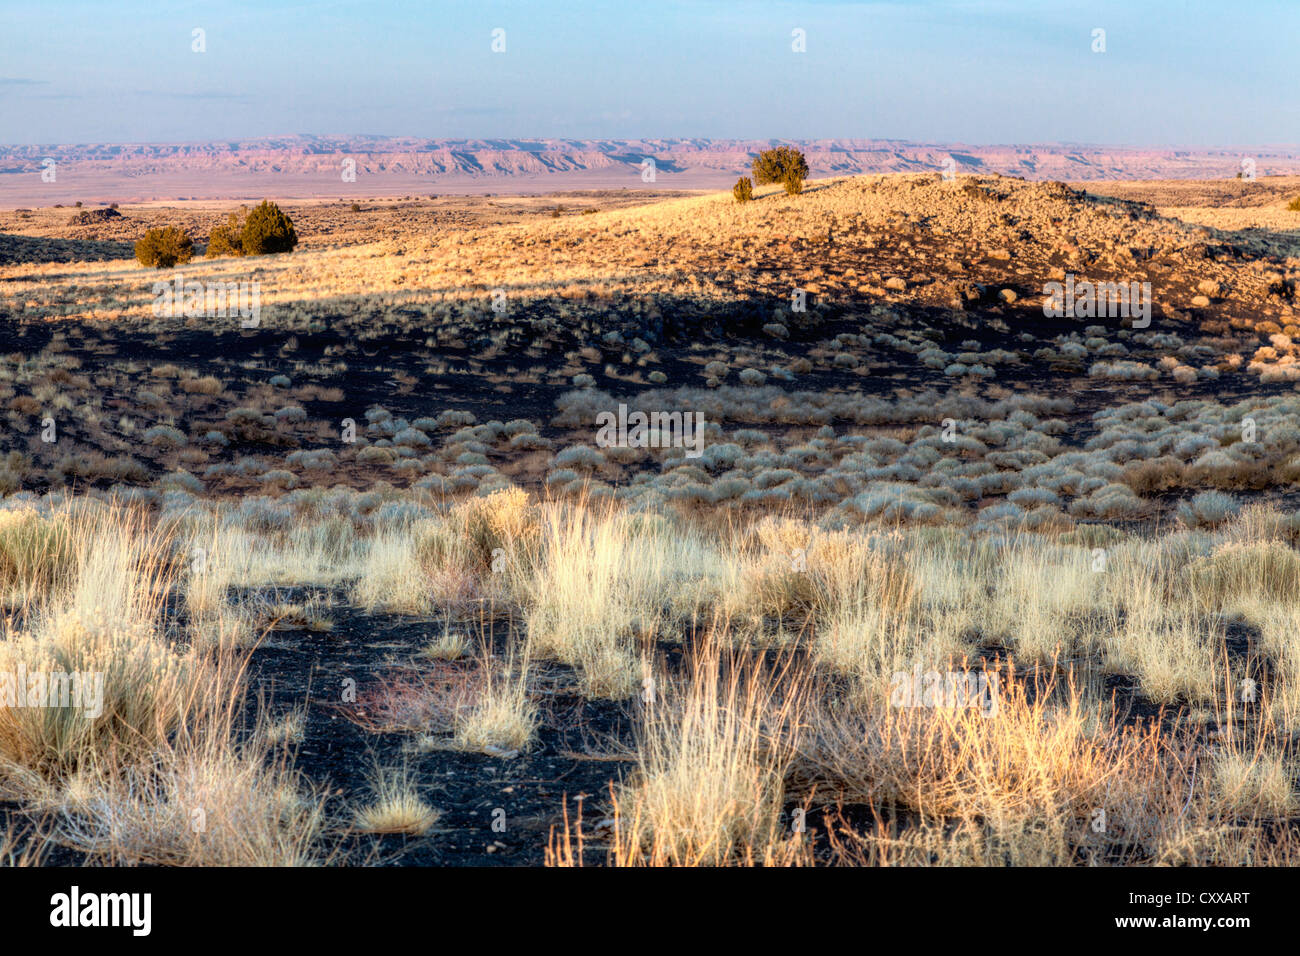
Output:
x,y
164,248
774,165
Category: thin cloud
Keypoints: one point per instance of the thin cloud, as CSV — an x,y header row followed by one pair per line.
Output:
x,y
196,95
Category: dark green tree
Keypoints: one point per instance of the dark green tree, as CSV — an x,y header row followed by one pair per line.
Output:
x,y
267,230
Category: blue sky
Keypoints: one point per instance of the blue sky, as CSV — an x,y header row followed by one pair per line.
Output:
x,y
1175,72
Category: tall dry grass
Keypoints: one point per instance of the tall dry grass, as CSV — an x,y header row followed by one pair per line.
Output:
x,y
602,588
160,770
713,747
794,636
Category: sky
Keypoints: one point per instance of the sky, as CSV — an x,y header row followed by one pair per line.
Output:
x,y
1192,73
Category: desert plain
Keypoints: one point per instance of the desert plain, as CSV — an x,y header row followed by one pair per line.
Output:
x,y
970,562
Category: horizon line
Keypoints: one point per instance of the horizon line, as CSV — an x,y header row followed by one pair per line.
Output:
x,y
675,139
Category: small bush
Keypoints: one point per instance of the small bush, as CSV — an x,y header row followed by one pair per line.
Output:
x,y
774,165
164,436
164,248
261,231
225,239
1294,205
268,230
1208,509
743,190
792,182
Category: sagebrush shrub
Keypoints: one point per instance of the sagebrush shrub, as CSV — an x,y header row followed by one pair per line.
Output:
x,y
793,182
1209,508
743,190
774,165
164,248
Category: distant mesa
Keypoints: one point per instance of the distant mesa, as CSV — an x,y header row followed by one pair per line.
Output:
x,y
352,166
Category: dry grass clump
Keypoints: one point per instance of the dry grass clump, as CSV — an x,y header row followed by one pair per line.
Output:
x,y
1278,626
1145,625
1260,522
1042,752
501,527
604,581
217,620
802,570
1040,592
417,570
1176,656
448,646
1019,787
148,693
104,626
711,757
259,544
900,614
1237,573
869,644
1252,784
206,802
503,720
142,766
396,806
36,553
479,551
394,578
288,730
